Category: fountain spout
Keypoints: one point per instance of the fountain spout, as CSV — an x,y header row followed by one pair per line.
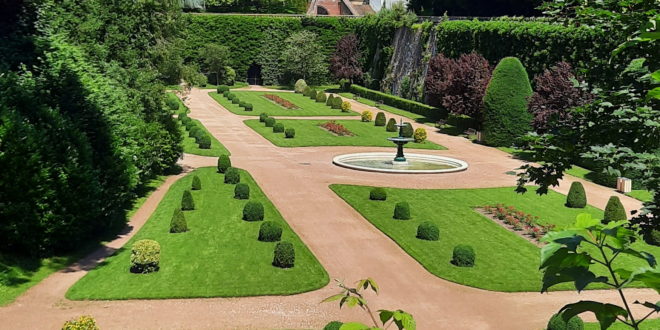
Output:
x,y
400,159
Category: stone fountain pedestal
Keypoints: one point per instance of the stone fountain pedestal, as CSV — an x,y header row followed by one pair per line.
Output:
x,y
400,159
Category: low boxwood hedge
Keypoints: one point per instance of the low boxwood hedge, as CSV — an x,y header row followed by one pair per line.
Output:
x,y
400,103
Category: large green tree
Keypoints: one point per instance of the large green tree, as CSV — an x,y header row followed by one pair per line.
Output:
x,y
303,56
216,59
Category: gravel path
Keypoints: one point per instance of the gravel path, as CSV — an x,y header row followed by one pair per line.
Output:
x,y
296,180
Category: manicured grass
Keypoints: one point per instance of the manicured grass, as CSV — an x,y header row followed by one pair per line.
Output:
x,y
190,147
18,274
182,107
309,134
290,88
504,261
642,195
417,118
219,257
261,104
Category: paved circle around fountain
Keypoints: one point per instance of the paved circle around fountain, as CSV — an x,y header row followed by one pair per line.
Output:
x,y
417,163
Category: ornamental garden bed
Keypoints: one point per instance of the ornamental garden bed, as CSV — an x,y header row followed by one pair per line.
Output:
x,y
261,104
310,134
523,224
219,256
282,102
335,128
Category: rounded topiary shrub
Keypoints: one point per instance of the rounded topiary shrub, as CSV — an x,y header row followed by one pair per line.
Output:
x,y
312,94
391,125
241,104
420,135
231,96
270,232
366,116
505,104
205,141
320,97
330,101
196,183
336,102
306,90
222,89
248,107
614,211
193,131
145,256
290,133
428,231
463,256
190,125
178,223
285,255
198,135
378,194
242,191
402,211
84,322
262,117
172,104
278,128
577,197
380,119
334,325
226,94
300,86
407,131
232,176
223,163
235,100
253,211
345,106
183,118
270,122
187,202
557,323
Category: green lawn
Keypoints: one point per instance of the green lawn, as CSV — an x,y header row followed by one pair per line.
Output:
x,y
18,274
219,257
308,107
190,147
504,261
309,134
642,195
406,114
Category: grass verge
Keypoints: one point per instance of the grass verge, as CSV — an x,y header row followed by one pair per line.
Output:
x,y
219,257
309,134
504,261
308,108
406,114
191,147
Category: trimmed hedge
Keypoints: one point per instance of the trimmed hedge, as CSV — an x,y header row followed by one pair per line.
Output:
x,y
236,100
172,103
577,197
306,91
505,104
178,223
198,135
262,117
248,107
407,131
223,163
380,119
187,201
241,104
193,131
253,211
420,135
190,125
205,141
196,183
312,94
270,232
232,176
345,106
222,89
402,211
300,86
428,231
330,100
463,256
400,103
614,211
391,125
290,133
270,122
378,194
320,97
557,323
278,128
242,191
334,325
336,102
145,256
285,255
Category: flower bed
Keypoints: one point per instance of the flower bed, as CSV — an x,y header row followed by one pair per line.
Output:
x,y
336,128
523,224
281,101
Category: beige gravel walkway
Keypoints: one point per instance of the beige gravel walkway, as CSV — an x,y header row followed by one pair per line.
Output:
x,y
296,180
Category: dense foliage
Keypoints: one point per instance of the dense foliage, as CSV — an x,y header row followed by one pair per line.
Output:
x,y
242,191
463,256
557,323
178,223
223,163
345,61
378,194
428,231
476,8
82,323
253,211
270,231
232,176
402,211
285,255
187,201
400,103
145,256
577,197
614,210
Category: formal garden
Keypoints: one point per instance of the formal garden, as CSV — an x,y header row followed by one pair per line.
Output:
x,y
165,167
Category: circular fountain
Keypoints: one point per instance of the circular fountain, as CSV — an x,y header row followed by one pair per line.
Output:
x,y
400,163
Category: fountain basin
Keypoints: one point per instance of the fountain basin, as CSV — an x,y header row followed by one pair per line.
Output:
x,y
416,163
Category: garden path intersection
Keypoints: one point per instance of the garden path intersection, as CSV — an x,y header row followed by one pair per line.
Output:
x,y
297,181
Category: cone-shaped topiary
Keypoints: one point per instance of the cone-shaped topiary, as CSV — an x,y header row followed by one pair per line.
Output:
x,y
428,231
577,197
300,86
505,104
306,91
270,122
336,102
312,94
320,97
253,211
380,119
178,223
223,163
463,256
378,194
145,256
407,131
330,100
278,128
242,191
232,176
205,141
290,133
196,183
262,117
285,255
391,125
402,211
270,232
557,323
614,211
187,202
334,325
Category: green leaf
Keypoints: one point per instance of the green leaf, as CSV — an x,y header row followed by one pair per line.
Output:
x,y
649,258
355,326
580,276
564,237
333,298
385,315
564,258
584,221
649,276
606,314
656,76
403,320
655,307
653,94
373,284
352,302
